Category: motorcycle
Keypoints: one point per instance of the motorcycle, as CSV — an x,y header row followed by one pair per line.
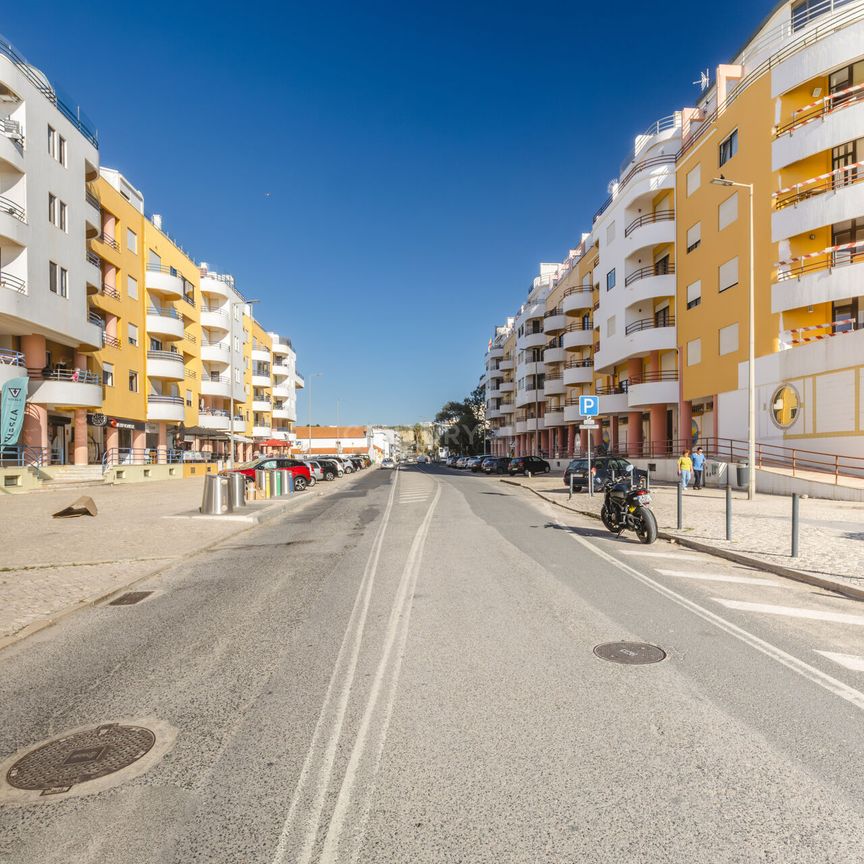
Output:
x,y
625,506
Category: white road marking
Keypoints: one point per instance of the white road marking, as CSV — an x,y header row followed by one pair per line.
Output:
x,y
680,556
850,661
719,577
793,612
805,670
335,704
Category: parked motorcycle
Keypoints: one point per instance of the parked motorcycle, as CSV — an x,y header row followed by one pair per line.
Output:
x,y
625,506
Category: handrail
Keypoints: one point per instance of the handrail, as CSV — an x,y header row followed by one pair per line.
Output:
x,y
210,343
648,324
798,335
648,219
840,255
831,181
165,355
13,209
163,312
654,377
821,108
12,129
93,258
215,378
638,168
664,124
92,200
667,269
23,455
117,456
111,341
170,400
579,364
109,291
578,325
93,318
552,312
9,357
613,389
13,283
108,241
164,268
213,412
578,289
76,376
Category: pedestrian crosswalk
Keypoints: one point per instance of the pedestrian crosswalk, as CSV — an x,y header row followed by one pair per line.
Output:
x,y
719,577
849,661
793,612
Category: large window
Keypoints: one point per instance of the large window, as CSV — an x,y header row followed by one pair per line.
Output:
x,y
108,374
727,212
728,339
58,279
848,231
728,276
132,287
694,294
610,279
728,147
694,237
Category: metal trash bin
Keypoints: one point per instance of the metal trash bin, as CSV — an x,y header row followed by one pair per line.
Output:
x,y
743,474
261,482
236,489
217,497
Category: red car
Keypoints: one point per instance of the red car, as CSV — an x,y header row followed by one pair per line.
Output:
x,y
300,472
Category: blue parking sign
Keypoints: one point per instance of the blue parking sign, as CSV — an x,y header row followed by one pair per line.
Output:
x,y
589,406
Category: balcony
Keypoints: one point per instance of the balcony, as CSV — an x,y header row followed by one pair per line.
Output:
x,y
210,418
259,379
829,122
653,388
164,321
506,407
219,286
649,334
282,413
649,230
11,365
578,372
12,143
531,340
652,282
505,432
833,274
823,200
165,364
553,418
215,352
215,319
285,390
299,381
554,322
613,399
264,405
506,365
528,397
280,371
553,385
170,408
529,369
67,388
578,335
215,385
12,283
261,353
164,280
496,352
554,355
493,413
13,222
93,269
507,386
521,427
262,432
577,300
571,412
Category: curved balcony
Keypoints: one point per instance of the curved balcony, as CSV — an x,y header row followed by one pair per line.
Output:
x,y
282,414
259,380
170,408
215,319
217,286
261,354
216,352
530,369
578,335
613,399
493,392
494,374
645,179
13,222
553,418
531,340
554,322
528,397
262,432
647,335
530,311
164,280
831,277
263,405
554,386
649,230
579,372
164,322
216,385
496,352
165,364
653,388
649,283
213,419
577,301
67,388
507,386
506,407
554,355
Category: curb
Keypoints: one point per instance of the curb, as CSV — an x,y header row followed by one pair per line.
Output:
x,y
835,585
264,515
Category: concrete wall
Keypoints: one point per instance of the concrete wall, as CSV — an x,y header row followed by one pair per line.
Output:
x,y
144,473
14,480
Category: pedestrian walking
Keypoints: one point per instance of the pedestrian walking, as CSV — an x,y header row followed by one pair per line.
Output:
x,y
685,468
698,460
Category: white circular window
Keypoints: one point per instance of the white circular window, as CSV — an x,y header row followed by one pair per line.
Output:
x,y
785,405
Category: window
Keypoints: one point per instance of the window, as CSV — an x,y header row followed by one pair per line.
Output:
x,y
64,282
727,212
155,344
694,352
694,180
848,231
63,226
728,274
133,381
728,147
52,142
694,294
61,151
52,277
131,241
610,279
132,287
785,405
52,209
661,316
610,326
694,237
108,374
610,233
728,337
132,334
189,397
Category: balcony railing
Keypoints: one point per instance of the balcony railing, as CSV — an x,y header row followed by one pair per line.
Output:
x,y
13,209
215,378
109,291
552,312
108,241
13,283
578,325
165,400
816,332
110,341
654,377
76,376
92,200
848,175
93,259
648,324
93,318
821,108
164,311
667,269
213,412
638,168
12,129
11,358
165,355
827,259
649,219
613,389
579,364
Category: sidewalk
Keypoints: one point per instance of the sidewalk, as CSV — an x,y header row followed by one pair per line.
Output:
x,y
50,566
831,533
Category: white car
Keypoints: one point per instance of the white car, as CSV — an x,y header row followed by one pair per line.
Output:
x,y
315,470
388,463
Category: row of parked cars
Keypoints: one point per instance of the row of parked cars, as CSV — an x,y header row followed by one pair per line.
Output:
x,y
306,472
527,465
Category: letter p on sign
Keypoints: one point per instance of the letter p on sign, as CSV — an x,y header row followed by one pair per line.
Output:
x,y
589,406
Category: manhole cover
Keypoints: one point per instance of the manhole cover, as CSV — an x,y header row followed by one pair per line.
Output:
x,y
59,765
632,653
130,597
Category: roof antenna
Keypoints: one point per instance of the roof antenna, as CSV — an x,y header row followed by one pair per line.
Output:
x,y
704,81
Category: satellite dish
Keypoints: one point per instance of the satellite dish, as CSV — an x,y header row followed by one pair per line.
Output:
x,y
704,81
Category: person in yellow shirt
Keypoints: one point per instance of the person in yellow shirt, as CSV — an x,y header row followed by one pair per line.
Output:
x,y
685,468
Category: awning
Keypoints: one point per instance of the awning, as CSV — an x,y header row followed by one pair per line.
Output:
x,y
274,442
240,439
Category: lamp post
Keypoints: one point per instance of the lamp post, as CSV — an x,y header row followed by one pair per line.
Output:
x,y
751,355
309,406
234,304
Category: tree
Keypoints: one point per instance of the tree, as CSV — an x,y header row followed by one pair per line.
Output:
x,y
465,423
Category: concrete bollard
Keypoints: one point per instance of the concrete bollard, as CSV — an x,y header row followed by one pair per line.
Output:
x,y
795,524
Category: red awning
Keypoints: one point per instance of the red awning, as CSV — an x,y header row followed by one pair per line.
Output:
x,y
275,442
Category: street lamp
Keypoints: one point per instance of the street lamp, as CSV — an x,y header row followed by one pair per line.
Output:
x,y
234,305
751,356
309,405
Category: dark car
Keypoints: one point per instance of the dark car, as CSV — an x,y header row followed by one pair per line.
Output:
x,y
301,473
602,468
528,465
331,468
474,463
496,464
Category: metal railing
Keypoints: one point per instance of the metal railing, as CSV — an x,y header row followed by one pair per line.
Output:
x,y
75,376
108,241
23,456
638,168
613,389
12,129
667,269
164,312
215,378
578,325
821,108
190,299
13,209
817,332
13,283
654,377
94,259
552,312
115,457
93,318
579,364
211,343
848,175
174,356
827,259
92,200
110,341
649,219
664,124
165,400
11,358
109,291
648,324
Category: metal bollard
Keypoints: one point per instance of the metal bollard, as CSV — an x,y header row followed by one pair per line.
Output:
x,y
728,511
680,505
237,489
795,524
216,500
570,497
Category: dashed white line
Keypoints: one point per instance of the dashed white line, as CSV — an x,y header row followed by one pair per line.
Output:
x,y
792,611
850,661
719,577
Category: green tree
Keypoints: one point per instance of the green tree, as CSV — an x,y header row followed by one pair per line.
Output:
x,y
465,429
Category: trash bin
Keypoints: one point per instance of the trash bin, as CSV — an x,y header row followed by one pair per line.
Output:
x,y
743,474
262,482
285,483
236,489
217,497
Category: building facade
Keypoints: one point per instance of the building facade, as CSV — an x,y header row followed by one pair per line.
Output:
x,y
654,300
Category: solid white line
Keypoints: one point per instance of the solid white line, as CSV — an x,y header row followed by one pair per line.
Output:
x,y
396,632
337,705
681,556
850,661
793,612
811,673
719,577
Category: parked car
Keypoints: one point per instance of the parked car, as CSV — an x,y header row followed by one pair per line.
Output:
x,y
450,462
315,470
388,463
528,465
602,468
422,459
496,464
358,463
474,463
331,468
300,471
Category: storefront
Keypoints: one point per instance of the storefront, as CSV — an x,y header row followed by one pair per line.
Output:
x,y
105,432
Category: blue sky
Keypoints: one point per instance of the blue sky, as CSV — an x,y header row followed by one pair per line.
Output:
x,y
421,159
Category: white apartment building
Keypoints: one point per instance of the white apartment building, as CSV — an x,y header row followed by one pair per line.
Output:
x,y
285,383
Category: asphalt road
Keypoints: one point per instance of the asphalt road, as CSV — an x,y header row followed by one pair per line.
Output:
x,y
404,672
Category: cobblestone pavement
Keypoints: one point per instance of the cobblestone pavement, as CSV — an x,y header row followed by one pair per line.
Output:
x,y
49,565
831,536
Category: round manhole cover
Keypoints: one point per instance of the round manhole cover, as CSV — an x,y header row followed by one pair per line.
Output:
x,y
84,760
631,653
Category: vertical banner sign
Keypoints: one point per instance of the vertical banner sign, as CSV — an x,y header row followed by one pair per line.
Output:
x,y
12,404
